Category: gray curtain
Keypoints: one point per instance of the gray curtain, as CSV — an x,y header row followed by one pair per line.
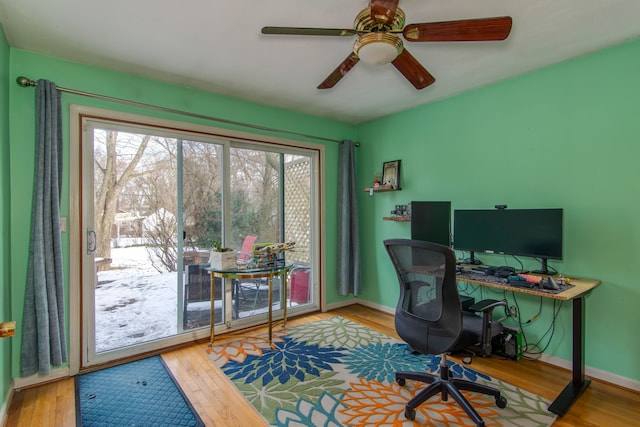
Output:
x,y
43,331
348,236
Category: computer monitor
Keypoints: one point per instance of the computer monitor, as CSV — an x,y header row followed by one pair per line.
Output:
x,y
431,222
534,233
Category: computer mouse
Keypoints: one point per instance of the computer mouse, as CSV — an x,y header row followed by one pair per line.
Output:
x,y
550,284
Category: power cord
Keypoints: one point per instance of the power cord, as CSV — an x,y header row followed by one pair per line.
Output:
x,y
535,316
522,270
469,290
527,350
522,324
519,321
551,329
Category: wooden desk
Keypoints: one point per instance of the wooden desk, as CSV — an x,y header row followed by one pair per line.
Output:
x,y
576,294
254,273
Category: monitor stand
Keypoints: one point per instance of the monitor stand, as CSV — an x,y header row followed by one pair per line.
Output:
x,y
544,269
472,259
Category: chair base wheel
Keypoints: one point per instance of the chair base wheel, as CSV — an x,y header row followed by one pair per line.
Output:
x,y
501,402
401,382
410,414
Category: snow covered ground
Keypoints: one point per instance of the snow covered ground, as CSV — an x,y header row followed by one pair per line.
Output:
x,y
134,303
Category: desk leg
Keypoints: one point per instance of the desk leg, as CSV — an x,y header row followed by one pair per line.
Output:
x,y
578,384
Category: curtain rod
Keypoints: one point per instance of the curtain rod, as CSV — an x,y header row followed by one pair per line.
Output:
x,y
26,82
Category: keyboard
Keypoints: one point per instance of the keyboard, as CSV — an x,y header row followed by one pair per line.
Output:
x,y
525,281
482,277
522,284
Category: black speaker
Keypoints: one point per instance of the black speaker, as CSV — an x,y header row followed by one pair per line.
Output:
x,y
431,222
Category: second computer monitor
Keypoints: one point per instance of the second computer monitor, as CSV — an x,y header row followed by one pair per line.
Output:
x,y
431,222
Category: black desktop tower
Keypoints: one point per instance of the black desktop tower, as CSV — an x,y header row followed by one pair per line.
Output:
x,y
508,344
431,222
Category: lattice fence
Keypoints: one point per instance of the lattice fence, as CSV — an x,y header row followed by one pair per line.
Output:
x,y
297,209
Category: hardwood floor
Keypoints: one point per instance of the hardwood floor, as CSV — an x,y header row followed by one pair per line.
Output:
x,y
221,405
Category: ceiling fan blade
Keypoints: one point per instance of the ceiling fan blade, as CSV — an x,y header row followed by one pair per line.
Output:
x,y
339,72
383,11
483,29
412,70
300,31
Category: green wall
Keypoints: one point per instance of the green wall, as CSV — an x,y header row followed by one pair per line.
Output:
x,y
5,278
565,136
96,80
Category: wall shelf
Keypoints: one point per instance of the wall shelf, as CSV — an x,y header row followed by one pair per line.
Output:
x,y
397,218
381,189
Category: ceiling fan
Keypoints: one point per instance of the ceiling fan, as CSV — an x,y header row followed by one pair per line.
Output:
x,y
377,27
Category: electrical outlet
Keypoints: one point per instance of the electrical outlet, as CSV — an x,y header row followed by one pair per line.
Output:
x,y
63,224
513,311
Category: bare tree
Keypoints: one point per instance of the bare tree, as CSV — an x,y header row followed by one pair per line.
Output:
x,y
159,189
114,172
202,193
256,175
138,173
160,231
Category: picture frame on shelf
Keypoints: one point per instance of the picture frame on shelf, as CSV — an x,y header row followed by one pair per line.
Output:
x,y
391,174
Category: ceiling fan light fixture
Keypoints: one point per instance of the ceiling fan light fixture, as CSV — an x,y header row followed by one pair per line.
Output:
x,y
378,48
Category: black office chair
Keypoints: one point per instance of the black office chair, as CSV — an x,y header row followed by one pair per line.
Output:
x,y
480,329
430,319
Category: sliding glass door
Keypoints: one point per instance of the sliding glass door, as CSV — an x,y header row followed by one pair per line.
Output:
x,y
155,202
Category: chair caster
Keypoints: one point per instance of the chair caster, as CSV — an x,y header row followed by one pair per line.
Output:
x,y
501,402
401,381
410,414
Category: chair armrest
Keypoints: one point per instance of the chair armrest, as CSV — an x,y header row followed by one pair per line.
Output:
x,y
487,305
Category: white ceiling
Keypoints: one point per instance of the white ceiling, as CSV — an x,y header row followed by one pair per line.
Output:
x,y
217,46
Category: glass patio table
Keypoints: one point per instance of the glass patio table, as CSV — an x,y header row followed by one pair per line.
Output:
x,y
253,273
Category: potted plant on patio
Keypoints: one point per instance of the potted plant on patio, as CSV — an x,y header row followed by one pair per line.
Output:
x,y
222,258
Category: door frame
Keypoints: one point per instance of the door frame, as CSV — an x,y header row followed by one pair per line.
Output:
x,y
77,239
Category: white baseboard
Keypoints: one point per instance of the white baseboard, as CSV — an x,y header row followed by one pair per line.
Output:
x,y
335,305
599,374
378,307
55,374
369,304
4,409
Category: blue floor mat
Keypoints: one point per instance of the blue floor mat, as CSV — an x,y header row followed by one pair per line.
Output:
x,y
140,393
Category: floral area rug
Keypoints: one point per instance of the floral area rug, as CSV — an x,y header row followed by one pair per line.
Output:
x,y
336,372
